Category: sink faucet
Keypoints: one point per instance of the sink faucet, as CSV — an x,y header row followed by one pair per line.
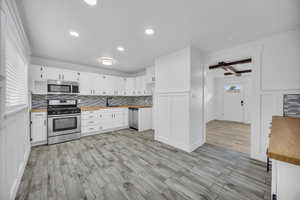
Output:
x,y
107,101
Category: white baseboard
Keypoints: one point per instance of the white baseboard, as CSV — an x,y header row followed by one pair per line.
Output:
x,y
173,144
16,184
195,145
39,143
261,157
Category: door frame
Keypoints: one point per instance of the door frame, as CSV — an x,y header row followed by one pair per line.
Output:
x,y
253,51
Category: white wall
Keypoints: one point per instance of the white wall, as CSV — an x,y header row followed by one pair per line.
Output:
x,y
276,72
179,99
14,126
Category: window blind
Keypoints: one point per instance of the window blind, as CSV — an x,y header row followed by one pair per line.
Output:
x,y
16,77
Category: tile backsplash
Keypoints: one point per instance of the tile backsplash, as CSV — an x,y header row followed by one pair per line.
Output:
x,y
291,105
40,101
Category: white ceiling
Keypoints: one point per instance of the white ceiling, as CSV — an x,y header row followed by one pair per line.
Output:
x,y
206,24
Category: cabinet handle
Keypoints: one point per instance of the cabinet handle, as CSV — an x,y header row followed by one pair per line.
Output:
x,y
44,122
59,77
63,77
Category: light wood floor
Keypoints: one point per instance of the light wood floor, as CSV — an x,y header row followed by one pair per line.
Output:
x,y
130,165
231,135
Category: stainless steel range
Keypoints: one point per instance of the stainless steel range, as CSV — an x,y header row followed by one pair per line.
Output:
x,y
64,121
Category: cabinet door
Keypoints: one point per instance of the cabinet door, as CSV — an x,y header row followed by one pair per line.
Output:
x,y
54,73
86,84
107,84
69,75
37,72
107,120
119,86
95,83
123,89
38,128
143,85
150,75
130,86
37,79
126,117
118,119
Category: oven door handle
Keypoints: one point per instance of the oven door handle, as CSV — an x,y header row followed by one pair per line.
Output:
x,y
64,115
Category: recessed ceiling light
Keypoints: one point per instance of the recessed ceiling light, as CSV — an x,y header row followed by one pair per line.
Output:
x,y
120,48
108,61
149,31
91,2
74,33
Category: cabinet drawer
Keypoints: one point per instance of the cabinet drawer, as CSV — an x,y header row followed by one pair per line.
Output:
x,y
89,129
89,122
89,112
89,116
38,115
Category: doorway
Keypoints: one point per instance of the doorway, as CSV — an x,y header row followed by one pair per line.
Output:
x,y
228,123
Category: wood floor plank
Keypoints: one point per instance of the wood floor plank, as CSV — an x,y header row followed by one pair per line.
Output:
x,y
232,135
126,164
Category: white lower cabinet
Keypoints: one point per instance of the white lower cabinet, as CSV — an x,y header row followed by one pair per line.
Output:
x,y
103,120
38,128
285,180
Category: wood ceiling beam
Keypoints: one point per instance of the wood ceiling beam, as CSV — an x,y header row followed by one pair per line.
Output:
x,y
238,72
222,64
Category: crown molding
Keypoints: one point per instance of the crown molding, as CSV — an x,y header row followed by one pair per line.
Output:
x,y
57,63
14,22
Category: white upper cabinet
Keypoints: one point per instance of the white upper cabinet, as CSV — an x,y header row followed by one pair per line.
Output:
x,y
108,84
69,75
90,83
130,86
54,73
150,75
37,79
138,85
37,72
62,74
86,85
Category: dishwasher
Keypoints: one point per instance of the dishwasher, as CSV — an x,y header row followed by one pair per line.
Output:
x,y
134,118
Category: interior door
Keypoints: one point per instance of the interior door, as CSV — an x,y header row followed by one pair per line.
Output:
x,y
234,103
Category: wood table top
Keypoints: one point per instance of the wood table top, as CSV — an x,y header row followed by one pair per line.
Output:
x,y
285,139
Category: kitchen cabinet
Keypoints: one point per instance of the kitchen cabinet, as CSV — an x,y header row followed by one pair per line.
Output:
x,y
130,86
118,86
69,75
103,120
37,79
108,84
150,75
38,128
138,85
62,74
90,83
86,85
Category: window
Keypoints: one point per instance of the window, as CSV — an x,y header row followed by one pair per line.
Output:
x,y
233,88
16,77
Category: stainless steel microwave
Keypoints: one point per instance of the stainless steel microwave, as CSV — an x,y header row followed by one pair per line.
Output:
x,y
62,87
